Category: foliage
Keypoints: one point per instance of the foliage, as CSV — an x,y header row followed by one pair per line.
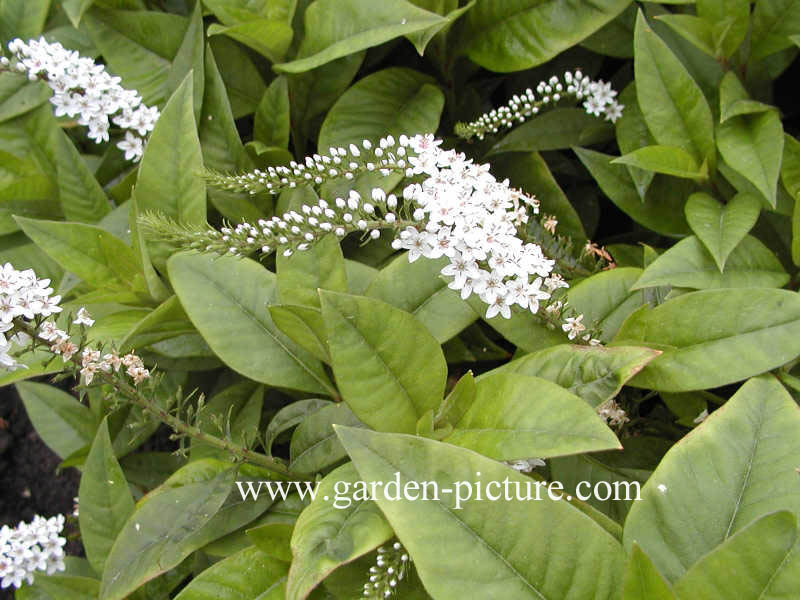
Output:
x,y
647,152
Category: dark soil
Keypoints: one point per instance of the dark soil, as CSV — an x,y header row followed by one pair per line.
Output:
x,y
29,484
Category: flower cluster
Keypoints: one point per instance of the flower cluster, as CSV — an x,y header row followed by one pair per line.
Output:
x,y
25,298
390,568
31,547
383,158
599,100
85,90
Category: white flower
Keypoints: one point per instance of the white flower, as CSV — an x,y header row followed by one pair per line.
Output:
x,y
573,326
83,318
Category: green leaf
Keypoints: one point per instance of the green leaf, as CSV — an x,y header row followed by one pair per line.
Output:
x,y
231,12
458,401
138,46
105,499
234,320
97,257
334,529
721,227
730,21
80,195
63,423
273,539
715,337
556,129
75,10
773,22
190,58
594,373
336,28
790,177
314,445
243,81
642,579
304,326
18,95
669,160
689,265
752,145
393,101
22,18
66,587
447,8
606,298
745,565
289,416
389,368
507,549
616,37
169,180
511,36
161,533
272,118
673,105
699,32
632,134
301,275
269,38
246,575
747,449
517,416
417,288
663,214
734,100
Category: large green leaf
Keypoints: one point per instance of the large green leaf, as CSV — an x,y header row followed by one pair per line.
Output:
x,y
517,416
662,210
790,177
606,299
556,129
752,145
595,373
506,549
734,99
642,579
721,227
715,337
268,37
105,499
170,178
673,105
246,575
161,533
669,160
689,265
190,58
63,423
773,22
746,564
314,445
18,95
234,320
417,288
301,275
97,257
272,119
389,368
519,34
22,18
393,101
138,46
334,529
336,28
79,193
738,465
